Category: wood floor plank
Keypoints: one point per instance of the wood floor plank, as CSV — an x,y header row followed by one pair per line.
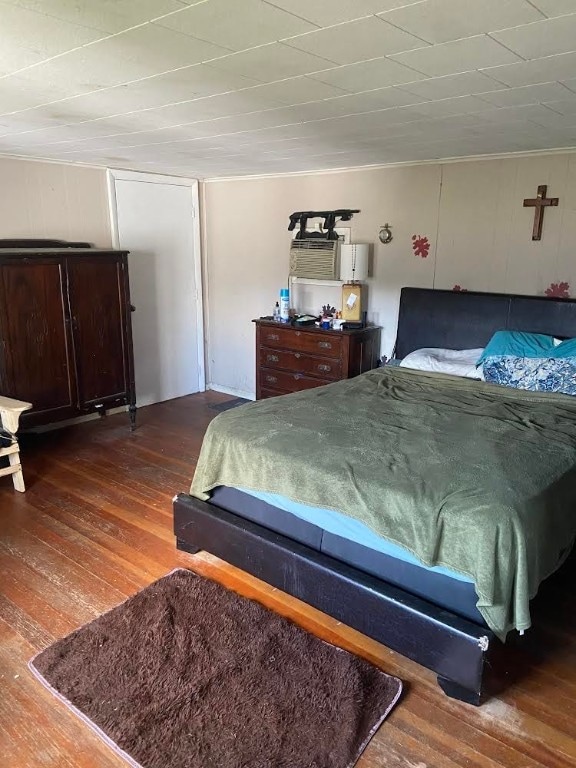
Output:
x,y
94,558
62,571
57,738
95,525
475,744
36,610
97,530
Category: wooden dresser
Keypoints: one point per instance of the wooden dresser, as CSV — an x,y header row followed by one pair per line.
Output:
x,y
65,332
290,359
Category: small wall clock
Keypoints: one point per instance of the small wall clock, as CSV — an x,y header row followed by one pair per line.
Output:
x,y
385,235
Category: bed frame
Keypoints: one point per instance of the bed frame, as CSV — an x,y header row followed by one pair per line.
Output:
x,y
456,649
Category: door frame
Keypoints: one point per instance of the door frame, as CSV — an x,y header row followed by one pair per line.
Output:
x,y
113,175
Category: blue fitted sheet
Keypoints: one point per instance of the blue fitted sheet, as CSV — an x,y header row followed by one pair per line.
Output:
x,y
348,528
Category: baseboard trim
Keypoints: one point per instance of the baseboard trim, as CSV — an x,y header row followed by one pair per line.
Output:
x,y
231,391
76,420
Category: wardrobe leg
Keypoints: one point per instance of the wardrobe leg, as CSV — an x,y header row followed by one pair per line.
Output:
x,y
132,413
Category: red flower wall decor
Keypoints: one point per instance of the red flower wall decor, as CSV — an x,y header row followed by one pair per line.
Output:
x,y
558,291
420,245
459,289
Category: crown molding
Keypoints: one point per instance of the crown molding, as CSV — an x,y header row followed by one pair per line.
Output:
x,y
316,172
403,164
26,158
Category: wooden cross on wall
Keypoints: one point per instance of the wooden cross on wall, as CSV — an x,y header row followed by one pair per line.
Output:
x,y
539,203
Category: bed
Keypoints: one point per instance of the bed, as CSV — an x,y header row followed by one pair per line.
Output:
x,y
404,598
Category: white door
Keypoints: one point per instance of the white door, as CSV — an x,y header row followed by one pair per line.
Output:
x,y
154,218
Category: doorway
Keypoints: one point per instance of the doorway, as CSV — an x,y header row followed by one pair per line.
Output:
x,y
156,219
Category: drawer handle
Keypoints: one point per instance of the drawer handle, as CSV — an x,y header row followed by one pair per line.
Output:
x,y
325,368
273,337
271,379
297,355
298,376
272,358
325,345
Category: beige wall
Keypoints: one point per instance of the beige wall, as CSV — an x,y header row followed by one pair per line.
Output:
x,y
472,213
47,200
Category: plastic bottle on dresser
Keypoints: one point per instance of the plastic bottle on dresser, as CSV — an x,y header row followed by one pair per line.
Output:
x,y
276,313
284,305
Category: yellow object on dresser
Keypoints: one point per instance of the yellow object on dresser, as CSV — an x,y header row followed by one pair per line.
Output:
x,y
353,302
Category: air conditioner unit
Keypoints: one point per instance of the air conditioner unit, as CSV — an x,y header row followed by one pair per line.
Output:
x,y
316,259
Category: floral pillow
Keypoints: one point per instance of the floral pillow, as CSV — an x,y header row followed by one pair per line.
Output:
x,y
538,374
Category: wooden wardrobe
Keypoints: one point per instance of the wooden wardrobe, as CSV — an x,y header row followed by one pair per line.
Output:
x,y
65,330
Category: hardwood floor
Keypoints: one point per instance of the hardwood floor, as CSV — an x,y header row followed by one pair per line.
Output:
x,y
95,527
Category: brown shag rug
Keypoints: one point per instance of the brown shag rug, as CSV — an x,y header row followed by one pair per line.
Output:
x,y
187,674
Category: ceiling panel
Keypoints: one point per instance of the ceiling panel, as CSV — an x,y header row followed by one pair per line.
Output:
x,y
251,121
28,37
549,118
327,12
564,107
180,85
555,7
528,113
237,25
543,38
138,53
561,67
357,41
457,56
271,62
223,105
527,94
21,92
104,15
377,73
302,113
33,120
379,98
465,84
212,87
438,21
154,49
455,106
299,89
570,84
77,132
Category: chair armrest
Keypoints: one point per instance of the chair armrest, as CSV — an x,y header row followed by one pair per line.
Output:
x,y
10,411
9,404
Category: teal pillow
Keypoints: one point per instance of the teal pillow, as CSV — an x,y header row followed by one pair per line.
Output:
x,y
521,344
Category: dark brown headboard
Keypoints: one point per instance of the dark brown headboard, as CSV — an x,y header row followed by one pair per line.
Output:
x,y
467,319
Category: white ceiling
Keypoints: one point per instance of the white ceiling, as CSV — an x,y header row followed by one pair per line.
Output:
x,y
235,87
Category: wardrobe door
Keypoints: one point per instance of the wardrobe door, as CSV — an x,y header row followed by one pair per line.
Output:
x,y
35,344
98,309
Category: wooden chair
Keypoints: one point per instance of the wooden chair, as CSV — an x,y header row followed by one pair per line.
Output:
x,y
10,411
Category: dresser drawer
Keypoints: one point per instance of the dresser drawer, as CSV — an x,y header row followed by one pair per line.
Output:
x,y
324,344
291,359
300,362
285,381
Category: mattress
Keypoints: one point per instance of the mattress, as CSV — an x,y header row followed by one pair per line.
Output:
x,y
472,476
353,543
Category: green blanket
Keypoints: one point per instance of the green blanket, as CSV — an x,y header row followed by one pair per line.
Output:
x,y
475,477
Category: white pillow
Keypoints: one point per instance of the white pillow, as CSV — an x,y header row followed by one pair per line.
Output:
x,y
458,362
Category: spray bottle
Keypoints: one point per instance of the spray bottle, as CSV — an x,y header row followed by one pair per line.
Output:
x,y
284,305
